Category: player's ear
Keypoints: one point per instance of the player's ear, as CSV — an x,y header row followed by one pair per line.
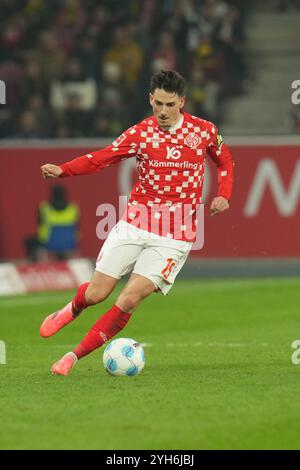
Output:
x,y
182,101
151,99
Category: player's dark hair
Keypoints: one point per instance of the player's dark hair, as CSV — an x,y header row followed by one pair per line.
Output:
x,y
168,80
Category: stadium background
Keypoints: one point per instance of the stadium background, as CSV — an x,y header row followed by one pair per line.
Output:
x,y
77,74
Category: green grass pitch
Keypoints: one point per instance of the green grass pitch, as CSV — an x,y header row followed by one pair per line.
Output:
x,y
218,372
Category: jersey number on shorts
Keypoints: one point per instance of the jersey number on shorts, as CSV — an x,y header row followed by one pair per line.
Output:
x,y
169,267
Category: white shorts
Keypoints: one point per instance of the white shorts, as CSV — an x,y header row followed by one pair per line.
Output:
x,y
130,249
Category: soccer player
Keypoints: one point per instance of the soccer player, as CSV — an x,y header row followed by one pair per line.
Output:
x,y
152,241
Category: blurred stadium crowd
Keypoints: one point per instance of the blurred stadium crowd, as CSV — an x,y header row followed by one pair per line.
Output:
x,y
81,68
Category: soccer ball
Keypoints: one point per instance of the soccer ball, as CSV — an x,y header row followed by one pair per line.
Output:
x,y
124,356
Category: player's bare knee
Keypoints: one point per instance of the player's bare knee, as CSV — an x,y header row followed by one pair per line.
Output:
x,y
94,296
128,302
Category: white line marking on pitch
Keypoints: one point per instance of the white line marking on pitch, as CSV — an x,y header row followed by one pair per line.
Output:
x,y
211,344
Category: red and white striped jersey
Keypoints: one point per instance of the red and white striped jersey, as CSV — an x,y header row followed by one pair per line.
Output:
x,y
171,172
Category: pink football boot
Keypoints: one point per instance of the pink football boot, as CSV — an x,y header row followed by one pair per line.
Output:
x,y
57,320
65,364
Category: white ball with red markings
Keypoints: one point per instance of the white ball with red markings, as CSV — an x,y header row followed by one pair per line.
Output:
x,y
124,357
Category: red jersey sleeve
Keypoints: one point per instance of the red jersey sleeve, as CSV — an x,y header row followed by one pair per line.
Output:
x,y
220,154
125,146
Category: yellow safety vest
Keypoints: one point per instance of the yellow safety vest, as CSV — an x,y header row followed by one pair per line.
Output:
x,y
51,217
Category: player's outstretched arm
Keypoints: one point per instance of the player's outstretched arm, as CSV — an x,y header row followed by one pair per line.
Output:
x,y
125,146
51,171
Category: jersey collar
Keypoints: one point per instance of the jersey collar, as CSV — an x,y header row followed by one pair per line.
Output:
x,y
174,128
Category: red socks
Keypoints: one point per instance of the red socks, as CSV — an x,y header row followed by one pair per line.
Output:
x,y
79,302
105,328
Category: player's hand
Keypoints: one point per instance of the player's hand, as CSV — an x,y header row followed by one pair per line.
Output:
x,y
218,205
51,171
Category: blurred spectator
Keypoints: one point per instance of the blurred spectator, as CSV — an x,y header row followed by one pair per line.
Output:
x,y
283,5
50,56
197,92
28,126
57,232
72,67
88,56
74,82
100,27
33,82
43,116
113,100
12,35
75,118
230,40
295,118
165,56
127,53
6,122
12,73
